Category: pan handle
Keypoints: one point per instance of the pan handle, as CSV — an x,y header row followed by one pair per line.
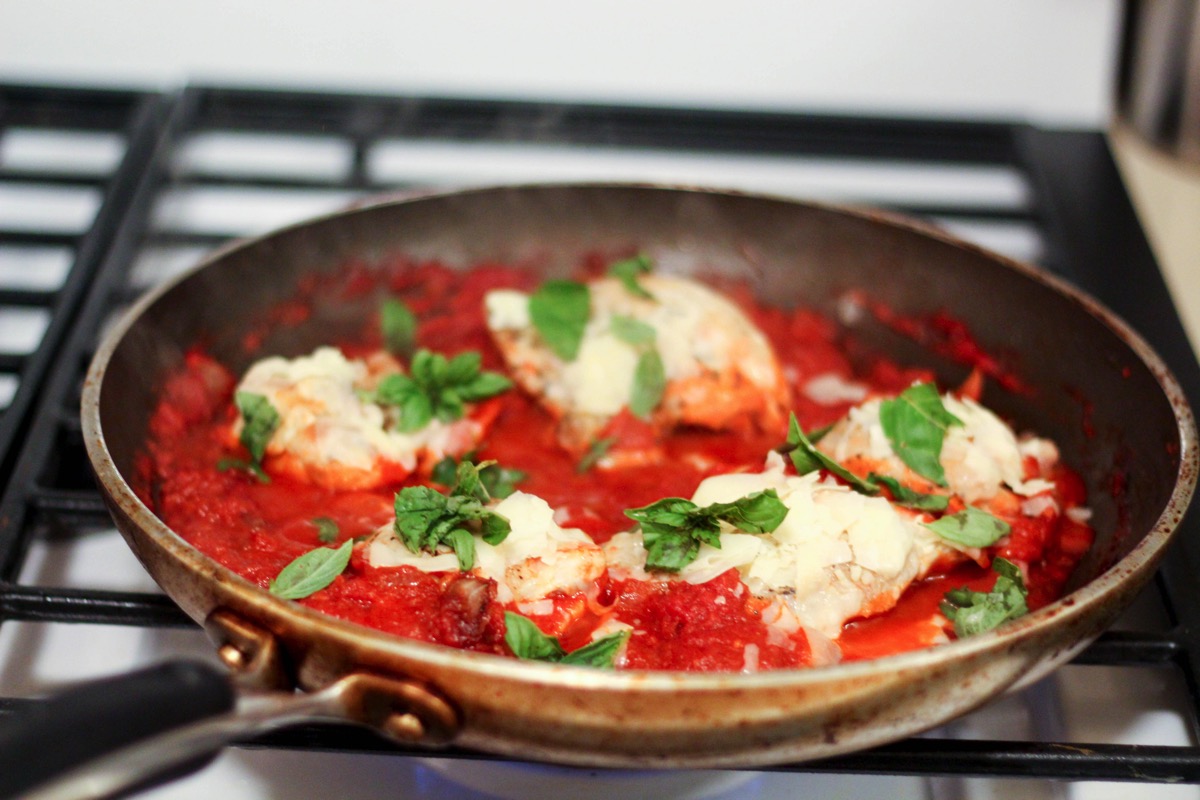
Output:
x,y
45,739
125,734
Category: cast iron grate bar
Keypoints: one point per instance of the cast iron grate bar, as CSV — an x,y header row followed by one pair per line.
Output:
x,y
1079,207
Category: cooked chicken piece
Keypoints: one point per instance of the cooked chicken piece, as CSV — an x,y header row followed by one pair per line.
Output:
x,y
331,434
536,560
720,370
836,556
983,460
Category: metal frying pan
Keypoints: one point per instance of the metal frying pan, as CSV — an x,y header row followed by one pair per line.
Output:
x,y
1132,420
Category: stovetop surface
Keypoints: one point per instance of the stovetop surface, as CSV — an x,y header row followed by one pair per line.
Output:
x,y
104,194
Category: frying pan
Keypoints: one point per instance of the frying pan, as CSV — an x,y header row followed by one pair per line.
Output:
x,y
1090,383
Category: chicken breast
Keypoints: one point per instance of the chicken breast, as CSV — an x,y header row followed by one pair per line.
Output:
x,y
536,560
720,371
332,434
836,556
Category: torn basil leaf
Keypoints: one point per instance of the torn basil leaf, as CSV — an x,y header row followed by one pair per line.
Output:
x,y
499,481
909,498
970,527
627,272
259,421
311,572
649,384
807,458
674,528
559,311
426,518
327,529
526,640
974,612
595,452
398,325
915,423
437,387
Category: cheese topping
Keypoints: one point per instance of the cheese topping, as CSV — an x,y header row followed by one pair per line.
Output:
x,y
535,560
837,554
980,457
329,434
719,367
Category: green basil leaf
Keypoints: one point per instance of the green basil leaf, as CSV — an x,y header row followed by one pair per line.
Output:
x,y
632,331
445,471
437,387
909,498
915,424
463,544
595,452
260,419
327,530
970,527
237,463
974,612
759,512
673,528
649,384
628,270
418,510
669,551
311,572
559,311
399,328
527,641
601,653
807,458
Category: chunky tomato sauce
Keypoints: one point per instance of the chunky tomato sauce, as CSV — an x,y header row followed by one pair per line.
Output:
x,y
256,528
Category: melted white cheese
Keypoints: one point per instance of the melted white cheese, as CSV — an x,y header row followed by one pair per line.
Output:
x,y
326,423
535,560
835,554
697,332
979,457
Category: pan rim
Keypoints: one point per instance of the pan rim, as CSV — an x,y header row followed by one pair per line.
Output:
x,y
1142,558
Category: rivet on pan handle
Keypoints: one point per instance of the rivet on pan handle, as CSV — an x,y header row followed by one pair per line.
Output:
x,y
250,652
403,709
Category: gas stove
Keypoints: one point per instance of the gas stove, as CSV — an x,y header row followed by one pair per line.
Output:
x,y
105,193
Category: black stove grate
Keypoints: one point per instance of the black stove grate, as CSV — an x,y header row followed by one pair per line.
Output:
x,y
163,204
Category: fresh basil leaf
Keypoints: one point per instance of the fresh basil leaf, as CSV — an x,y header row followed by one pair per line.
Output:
x,y
596,451
437,387
427,519
327,530
632,331
909,498
649,384
759,512
970,527
445,471
974,612
670,551
399,328
601,653
463,544
915,424
311,572
628,270
526,640
559,311
807,458
249,466
501,482
259,421
673,528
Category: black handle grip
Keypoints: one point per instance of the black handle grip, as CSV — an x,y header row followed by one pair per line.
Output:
x,y
43,739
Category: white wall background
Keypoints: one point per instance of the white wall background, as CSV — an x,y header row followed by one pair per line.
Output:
x,y
1045,60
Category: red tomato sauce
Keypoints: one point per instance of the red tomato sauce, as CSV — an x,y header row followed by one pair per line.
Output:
x,y
256,528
